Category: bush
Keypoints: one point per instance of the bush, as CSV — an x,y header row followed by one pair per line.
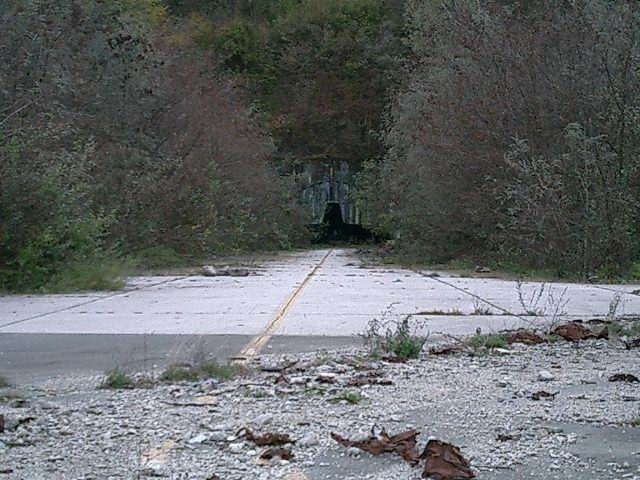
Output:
x,y
139,141
515,135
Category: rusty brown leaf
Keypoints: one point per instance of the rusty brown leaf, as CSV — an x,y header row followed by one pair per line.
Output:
x,y
574,332
404,444
269,439
522,335
445,462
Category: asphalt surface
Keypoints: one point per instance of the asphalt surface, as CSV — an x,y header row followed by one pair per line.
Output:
x,y
293,302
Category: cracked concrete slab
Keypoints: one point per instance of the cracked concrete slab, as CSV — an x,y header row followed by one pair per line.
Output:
x,y
339,300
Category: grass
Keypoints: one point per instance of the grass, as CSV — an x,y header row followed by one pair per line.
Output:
x,y
488,341
101,274
636,422
4,382
352,398
553,338
625,331
181,372
117,380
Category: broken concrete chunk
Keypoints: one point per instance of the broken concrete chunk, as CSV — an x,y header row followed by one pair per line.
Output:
x,y
544,376
209,271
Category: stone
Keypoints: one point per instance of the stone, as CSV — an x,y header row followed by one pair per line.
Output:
x,y
545,376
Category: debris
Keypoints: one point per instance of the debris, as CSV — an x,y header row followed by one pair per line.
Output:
x,y
483,269
635,343
1,423
404,444
507,437
445,462
209,271
624,377
543,394
445,349
283,453
575,332
394,359
522,335
361,381
269,439
544,376
213,477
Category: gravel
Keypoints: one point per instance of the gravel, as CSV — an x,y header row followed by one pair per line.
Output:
x,y
70,429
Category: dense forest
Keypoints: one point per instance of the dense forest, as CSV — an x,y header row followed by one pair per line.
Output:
x,y
137,131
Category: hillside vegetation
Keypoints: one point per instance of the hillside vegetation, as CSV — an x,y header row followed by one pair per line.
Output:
x,y
150,129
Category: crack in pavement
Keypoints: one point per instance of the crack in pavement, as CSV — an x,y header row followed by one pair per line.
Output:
x,y
93,300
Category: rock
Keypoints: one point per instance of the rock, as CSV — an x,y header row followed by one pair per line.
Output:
x,y
309,440
198,439
209,271
545,376
262,420
154,468
236,447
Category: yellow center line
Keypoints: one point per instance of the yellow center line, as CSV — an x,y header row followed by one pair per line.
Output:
x,y
257,344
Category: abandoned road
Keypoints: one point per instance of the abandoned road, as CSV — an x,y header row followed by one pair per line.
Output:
x,y
294,302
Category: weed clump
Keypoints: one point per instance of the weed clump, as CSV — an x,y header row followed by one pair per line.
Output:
x,y
488,341
117,380
397,338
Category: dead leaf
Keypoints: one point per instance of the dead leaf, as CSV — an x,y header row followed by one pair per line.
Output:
x,y
445,462
268,439
283,453
528,337
542,394
573,332
624,377
404,444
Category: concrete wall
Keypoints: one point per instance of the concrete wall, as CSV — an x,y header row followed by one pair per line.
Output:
x,y
329,181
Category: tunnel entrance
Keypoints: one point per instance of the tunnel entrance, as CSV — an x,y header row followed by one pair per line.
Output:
x,y
333,228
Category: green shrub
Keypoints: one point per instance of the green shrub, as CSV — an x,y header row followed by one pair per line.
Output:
x,y
96,275
117,380
488,341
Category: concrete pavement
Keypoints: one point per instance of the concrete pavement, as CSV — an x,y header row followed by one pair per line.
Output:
x,y
296,301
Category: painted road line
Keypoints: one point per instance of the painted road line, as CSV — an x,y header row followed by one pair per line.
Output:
x,y
257,344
